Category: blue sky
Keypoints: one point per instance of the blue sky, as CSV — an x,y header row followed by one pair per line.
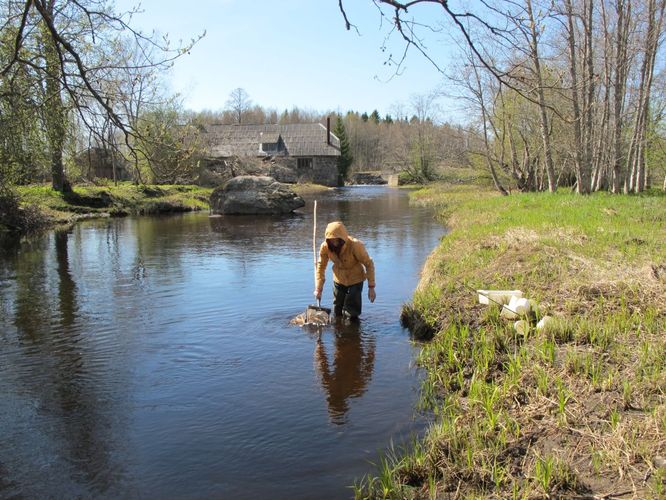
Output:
x,y
287,53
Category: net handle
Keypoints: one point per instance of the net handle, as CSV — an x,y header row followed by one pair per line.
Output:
x,y
314,241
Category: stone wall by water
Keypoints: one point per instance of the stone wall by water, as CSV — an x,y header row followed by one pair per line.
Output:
x,y
315,170
321,170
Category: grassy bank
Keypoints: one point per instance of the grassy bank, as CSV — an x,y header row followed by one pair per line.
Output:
x,y
309,189
575,408
48,207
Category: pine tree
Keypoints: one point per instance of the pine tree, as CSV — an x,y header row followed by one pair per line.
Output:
x,y
345,160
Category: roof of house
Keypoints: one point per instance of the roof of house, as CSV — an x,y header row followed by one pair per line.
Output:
x,y
300,139
268,137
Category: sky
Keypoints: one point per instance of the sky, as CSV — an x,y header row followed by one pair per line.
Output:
x,y
287,53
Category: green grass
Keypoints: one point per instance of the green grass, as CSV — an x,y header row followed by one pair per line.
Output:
x,y
309,189
516,415
125,198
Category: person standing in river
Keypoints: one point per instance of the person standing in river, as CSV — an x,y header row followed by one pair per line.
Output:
x,y
351,267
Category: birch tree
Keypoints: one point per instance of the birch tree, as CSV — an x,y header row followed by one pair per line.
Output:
x,y
543,115
587,67
636,167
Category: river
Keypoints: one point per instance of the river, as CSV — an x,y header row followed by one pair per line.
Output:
x,y
152,357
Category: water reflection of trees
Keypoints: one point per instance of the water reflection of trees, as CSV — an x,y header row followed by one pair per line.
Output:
x,y
380,216
83,422
60,367
32,294
263,234
349,374
66,285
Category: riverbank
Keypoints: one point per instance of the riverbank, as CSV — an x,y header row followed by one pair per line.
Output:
x,y
575,408
42,207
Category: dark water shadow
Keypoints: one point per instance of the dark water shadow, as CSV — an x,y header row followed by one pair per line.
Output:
x,y
10,244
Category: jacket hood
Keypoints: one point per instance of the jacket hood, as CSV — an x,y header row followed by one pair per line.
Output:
x,y
337,230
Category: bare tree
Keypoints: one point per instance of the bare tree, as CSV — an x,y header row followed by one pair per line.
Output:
x,y
636,161
623,12
476,91
581,159
533,41
586,67
239,103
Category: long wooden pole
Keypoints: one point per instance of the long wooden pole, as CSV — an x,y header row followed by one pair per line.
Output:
x,y
314,241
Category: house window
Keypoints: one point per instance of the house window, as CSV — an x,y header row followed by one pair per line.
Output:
x,y
269,147
304,164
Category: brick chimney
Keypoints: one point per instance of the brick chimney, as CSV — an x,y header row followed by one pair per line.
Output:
x,y
328,130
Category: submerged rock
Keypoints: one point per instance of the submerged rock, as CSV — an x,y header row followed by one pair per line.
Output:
x,y
253,195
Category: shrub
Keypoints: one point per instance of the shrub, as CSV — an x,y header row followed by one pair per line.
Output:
x,y
17,218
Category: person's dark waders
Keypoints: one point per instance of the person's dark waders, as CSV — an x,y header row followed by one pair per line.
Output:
x,y
347,299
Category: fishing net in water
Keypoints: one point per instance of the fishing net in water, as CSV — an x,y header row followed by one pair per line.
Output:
x,y
317,316
314,317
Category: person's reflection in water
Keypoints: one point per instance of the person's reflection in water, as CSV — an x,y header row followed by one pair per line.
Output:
x,y
353,362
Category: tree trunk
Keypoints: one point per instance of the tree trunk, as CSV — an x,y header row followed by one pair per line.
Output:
x,y
636,160
484,121
545,132
54,109
601,156
582,182
654,33
623,9
588,100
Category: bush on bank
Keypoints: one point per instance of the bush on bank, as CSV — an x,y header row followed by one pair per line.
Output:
x,y
18,218
573,409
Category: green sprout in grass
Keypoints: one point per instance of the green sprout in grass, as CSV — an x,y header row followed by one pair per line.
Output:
x,y
543,381
547,351
614,419
563,396
543,470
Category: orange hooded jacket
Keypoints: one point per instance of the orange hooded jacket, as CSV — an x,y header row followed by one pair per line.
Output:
x,y
353,265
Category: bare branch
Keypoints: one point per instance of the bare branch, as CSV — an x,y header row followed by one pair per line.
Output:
x,y
348,25
19,38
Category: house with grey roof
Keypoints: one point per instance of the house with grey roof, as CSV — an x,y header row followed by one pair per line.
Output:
x,y
300,152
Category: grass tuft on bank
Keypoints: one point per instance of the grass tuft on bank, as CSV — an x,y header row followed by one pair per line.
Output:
x,y
574,409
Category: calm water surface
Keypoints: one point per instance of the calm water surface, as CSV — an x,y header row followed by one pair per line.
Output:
x,y
153,357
